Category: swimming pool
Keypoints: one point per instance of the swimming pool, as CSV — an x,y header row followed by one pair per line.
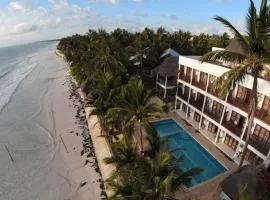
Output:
x,y
194,154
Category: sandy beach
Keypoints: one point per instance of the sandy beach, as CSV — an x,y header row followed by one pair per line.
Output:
x,y
76,144
46,151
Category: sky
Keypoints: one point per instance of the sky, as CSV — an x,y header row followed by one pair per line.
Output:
x,y
26,21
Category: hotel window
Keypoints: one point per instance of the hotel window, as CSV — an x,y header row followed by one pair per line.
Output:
x,y
180,88
262,136
266,104
231,142
184,108
195,75
217,108
252,158
203,77
242,93
208,103
212,128
197,117
182,70
235,117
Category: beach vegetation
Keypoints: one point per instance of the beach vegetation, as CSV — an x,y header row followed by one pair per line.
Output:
x,y
123,99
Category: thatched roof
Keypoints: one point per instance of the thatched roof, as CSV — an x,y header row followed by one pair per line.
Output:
x,y
245,178
170,52
236,47
169,67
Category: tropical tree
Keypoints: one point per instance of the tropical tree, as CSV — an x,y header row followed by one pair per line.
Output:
x,y
107,62
102,93
135,105
123,153
250,62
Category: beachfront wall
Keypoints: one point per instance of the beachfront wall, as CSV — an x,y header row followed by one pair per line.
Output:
x,y
223,120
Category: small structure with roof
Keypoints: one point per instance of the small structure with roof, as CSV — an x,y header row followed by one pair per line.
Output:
x,y
170,52
166,74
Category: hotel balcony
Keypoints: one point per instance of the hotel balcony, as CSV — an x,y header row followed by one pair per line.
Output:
x,y
185,78
199,84
232,127
263,115
261,146
196,103
213,115
240,103
183,96
170,83
214,92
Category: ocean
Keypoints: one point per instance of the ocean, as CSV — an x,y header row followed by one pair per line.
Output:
x,y
33,110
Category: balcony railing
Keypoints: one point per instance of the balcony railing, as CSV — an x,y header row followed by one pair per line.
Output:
x,y
213,115
183,96
263,115
240,103
196,103
215,92
232,127
185,78
259,145
199,84
169,82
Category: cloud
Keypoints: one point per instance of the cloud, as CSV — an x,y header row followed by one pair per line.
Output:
x,y
18,29
23,28
115,1
170,16
17,6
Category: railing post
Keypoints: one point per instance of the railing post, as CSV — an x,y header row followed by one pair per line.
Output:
x,y
224,109
156,80
244,130
217,135
165,92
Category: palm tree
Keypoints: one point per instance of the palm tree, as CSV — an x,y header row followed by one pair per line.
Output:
x,y
135,105
251,62
102,93
107,62
123,153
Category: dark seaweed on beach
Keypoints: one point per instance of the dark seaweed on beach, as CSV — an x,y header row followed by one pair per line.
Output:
x,y
87,144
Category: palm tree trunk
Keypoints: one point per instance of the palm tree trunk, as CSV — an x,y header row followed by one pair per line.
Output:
x,y
251,115
141,66
141,136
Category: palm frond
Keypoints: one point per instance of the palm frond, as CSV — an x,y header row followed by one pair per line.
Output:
x,y
233,29
234,76
252,22
223,55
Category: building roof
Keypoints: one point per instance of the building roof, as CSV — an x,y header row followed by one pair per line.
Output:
x,y
236,47
169,52
244,179
168,67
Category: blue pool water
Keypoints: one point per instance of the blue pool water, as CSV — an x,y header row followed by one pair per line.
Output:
x,y
194,154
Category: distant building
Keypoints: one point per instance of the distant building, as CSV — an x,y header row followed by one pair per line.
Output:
x,y
166,74
170,52
223,121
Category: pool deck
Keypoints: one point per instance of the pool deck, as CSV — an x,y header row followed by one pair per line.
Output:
x,y
208,189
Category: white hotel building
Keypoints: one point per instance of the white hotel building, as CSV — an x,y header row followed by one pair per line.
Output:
x,y
223,121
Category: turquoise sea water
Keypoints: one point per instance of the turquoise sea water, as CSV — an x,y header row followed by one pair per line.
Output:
x,y
194,154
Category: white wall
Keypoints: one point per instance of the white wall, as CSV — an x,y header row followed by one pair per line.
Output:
x,y
217,70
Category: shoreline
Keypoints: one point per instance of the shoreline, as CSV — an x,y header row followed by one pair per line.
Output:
x,y
99,148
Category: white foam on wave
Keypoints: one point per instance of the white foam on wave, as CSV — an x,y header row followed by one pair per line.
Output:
x,y
11,80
